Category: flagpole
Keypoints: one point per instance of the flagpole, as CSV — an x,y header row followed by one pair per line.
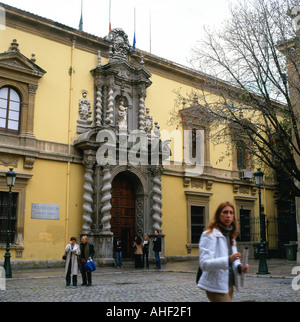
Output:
x,y
134,20
150,32
109,28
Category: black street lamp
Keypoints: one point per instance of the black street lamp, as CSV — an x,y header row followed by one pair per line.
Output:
x,y
10,181
263,268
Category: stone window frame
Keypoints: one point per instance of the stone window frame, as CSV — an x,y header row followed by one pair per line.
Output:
x,y
247,203
190,121
23,75
237,138
198,199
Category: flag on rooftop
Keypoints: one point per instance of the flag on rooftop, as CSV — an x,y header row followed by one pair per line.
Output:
x,y
134,39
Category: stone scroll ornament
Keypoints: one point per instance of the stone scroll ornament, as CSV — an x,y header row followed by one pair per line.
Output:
x,y
106,201
88,193
120,47
156,198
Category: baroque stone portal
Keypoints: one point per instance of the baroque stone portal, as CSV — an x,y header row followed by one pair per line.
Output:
x,y
123,200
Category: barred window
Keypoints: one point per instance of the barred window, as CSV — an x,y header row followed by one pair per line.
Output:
x,y
197,223
4,200
9,110
245,225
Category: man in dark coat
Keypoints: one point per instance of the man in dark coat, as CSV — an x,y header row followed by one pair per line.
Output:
x,y
157,248
86,252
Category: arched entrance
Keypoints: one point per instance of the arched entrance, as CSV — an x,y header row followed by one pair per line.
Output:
x,y
123,211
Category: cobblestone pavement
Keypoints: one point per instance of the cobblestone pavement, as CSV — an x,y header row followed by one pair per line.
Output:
x,y
131,285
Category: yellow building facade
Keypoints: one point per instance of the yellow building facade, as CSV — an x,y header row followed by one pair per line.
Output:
x,y
60,87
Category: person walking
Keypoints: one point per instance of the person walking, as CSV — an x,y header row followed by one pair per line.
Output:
x,y
138,251
219,258
87,252
118,251
72,251
146,252
157,248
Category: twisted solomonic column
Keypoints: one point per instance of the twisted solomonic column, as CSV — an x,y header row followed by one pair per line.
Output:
x,y
142,113
110,108
156,198
98,106
106,201
89,161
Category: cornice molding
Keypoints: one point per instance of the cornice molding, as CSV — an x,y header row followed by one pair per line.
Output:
x,y
32,149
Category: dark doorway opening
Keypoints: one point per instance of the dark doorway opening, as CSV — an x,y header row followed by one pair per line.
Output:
x,y
123,212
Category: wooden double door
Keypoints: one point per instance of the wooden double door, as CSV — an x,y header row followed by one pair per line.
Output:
x,y
123,212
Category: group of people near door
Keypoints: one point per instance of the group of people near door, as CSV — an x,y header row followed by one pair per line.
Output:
x,y
140,251
78,255
219,260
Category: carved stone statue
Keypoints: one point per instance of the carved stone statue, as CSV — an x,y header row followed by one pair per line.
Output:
x,y
122,121
148,122
84,108
84,121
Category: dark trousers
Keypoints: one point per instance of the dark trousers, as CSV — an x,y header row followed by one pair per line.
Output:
x,y
138,261
146,255
157,259
86,276
68,276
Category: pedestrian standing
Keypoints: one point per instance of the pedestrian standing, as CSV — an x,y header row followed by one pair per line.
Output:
x,y
157,248
72,251
146,251
219,258
118,251
138,251
87,252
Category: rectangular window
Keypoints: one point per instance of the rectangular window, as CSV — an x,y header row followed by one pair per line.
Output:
x,y
9,109
242,155
4,208
197,223
245,225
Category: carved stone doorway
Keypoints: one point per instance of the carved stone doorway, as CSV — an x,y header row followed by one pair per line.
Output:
x,y
123,212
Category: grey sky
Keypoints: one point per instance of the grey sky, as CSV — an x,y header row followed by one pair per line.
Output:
x,y
175,25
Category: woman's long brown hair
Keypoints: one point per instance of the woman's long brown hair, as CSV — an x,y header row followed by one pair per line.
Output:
x,y
216,221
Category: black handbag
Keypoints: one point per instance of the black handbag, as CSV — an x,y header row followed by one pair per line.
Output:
x,y
64,256
199,273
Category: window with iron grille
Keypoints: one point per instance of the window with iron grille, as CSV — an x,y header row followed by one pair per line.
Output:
x,y
4,201
245,225
197,223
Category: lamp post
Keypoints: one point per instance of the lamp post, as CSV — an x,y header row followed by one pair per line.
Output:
x,y
10,181
263,268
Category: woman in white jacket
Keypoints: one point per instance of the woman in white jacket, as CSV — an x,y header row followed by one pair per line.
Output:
x,y
219,258
71,269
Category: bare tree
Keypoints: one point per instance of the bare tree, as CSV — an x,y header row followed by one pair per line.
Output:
x,y
248,91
